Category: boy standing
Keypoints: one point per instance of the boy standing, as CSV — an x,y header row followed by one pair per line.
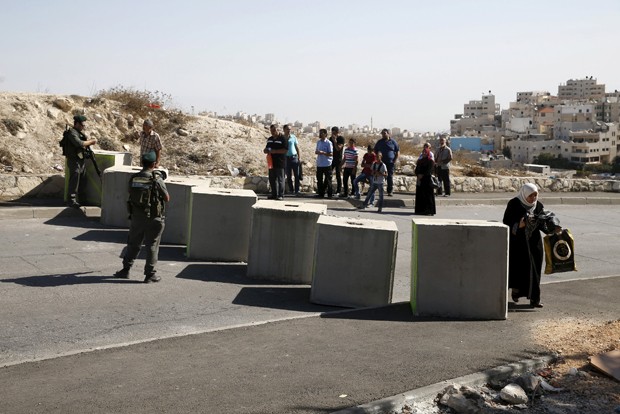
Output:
x,y
369,158
379,172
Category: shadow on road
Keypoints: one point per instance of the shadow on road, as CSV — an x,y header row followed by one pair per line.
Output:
x,y
64,280
234,273
287,298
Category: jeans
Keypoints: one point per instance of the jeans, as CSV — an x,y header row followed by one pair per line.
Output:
x,y
292,168
276,182
324,181
390,180
371,194
443,175
338,176
348,175
356,188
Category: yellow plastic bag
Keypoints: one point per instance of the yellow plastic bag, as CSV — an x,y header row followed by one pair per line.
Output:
x,y
559,252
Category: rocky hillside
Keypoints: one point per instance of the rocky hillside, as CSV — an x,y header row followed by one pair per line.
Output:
x,y
31,126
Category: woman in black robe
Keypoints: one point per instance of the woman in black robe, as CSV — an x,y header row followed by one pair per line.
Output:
x,y
424,191
525,250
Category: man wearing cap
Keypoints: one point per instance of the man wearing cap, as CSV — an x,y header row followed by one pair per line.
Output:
x,y
74,147
150,140
147,205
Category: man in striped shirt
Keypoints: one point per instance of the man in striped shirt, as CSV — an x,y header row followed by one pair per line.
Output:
x,y
349,163
150,141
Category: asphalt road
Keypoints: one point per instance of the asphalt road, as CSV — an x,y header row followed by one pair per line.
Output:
x,y
59,299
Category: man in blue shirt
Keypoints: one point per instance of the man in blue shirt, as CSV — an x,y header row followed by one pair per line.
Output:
x,y
293,160
324,157
389,151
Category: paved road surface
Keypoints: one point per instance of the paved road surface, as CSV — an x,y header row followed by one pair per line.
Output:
x,y
58,298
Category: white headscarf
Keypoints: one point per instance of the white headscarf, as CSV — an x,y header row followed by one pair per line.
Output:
x,y
524,193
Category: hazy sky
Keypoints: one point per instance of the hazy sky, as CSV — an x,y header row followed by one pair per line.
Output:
x,y
411,64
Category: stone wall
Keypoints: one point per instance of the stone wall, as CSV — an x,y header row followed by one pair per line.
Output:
x,y
13,187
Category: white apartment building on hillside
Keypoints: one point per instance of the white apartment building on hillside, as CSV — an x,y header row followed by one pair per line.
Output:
x,y
589,146
581,89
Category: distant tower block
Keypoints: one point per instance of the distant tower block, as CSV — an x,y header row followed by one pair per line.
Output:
x,y
220,224
282,241
459,268
354,262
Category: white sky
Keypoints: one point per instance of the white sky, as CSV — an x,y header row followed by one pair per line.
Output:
x,y
409,64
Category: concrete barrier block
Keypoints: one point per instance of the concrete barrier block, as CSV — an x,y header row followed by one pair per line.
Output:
x,y
115,192
339,279
178,209
282,240
459,268
220,224
115,186
93,188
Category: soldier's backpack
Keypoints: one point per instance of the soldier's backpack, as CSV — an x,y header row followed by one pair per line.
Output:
x,y
65,141
144,197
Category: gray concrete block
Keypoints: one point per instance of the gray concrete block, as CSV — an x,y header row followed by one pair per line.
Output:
x,y
178,209
459,268
339,278
220,224
115,194
93,188
282,241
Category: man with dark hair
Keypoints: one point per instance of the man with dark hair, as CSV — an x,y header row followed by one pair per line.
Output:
x,y
75,146
324,157
338,145
276,150
442,167
389,150
147,206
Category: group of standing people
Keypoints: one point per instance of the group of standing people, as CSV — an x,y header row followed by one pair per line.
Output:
x,y
428,167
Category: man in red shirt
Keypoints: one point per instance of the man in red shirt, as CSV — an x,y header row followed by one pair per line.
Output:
x,y
366,175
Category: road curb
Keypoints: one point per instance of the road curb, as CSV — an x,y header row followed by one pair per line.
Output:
x,y
396,402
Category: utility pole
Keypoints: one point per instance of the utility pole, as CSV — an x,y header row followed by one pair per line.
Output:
x,y
371,128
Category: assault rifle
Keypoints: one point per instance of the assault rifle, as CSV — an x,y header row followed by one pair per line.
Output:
x,y
88,153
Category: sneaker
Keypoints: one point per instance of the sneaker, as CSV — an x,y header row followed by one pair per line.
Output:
x,y
297,194
363,206
390,194
74,204
318,196
357,197
152,278
122,274
280,198
380,210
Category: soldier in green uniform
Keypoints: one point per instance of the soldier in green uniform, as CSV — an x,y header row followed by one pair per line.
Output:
x,y
74,148
147,203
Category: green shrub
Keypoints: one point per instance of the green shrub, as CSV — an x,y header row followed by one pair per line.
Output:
x,y
146,104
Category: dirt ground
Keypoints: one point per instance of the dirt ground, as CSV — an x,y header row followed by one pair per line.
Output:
x,y
575,341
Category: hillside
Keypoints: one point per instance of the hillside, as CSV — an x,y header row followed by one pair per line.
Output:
x,y
31,126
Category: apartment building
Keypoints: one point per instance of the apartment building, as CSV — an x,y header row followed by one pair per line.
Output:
x,y
477,115
581,89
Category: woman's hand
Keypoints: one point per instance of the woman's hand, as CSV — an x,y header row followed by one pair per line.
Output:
x,y
522,223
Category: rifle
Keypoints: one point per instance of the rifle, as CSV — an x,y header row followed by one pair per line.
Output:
x,y
88,153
